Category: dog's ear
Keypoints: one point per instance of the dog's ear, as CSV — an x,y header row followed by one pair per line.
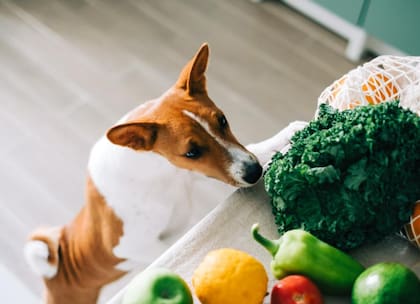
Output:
x,y
135,135
192,78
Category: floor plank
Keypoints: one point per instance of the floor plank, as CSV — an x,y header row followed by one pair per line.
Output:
x,y
70,68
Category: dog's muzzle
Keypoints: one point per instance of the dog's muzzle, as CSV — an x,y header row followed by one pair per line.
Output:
x,y
253,173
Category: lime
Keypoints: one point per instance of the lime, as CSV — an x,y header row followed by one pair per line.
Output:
x,y
386,283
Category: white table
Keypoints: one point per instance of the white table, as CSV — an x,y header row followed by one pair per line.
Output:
x,y
229,225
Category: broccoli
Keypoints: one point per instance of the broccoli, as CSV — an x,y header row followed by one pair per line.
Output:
x,y
350,177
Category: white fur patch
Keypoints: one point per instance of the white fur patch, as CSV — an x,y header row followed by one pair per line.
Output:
x,y
240,157
36,254
156,201
205,125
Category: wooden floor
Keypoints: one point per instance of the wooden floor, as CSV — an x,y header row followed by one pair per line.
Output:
x,y
70,68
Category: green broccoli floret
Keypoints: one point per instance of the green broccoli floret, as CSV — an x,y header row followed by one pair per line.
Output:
x,y
350,177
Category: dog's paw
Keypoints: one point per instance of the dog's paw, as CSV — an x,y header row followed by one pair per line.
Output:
x,y
283,138
293,127
266,149
37,254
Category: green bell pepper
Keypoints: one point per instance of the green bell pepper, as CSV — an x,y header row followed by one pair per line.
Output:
x,y
299,252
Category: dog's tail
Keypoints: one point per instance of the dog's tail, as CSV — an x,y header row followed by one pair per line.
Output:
x,y
41,251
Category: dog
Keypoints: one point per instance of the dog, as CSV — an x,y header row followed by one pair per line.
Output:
x,y
151,177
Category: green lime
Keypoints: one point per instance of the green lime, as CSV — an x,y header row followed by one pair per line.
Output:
x,y
386,283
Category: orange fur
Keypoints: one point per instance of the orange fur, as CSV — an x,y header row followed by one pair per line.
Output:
x,y
84,250
86,261
163,130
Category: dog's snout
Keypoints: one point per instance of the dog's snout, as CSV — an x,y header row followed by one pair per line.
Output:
x,y
252,173
245,168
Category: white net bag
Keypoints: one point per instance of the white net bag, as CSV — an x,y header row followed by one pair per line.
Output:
x,y
412,229
385,78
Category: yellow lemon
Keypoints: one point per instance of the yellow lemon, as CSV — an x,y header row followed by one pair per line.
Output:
x,y
230,276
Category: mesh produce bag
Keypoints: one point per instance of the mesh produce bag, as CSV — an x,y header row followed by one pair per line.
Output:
x,y
412,229
385,78
382,79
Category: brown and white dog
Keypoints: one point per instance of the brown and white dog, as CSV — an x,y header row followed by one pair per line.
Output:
x,y
148,183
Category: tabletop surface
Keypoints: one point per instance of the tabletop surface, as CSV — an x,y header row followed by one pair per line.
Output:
x,y
229,225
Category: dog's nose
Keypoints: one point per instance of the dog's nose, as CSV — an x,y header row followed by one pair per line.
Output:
x,y
252,173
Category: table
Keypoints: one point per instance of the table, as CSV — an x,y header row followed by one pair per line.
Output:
x,y
229,225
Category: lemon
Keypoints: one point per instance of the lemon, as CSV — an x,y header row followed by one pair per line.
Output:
x,y
230,276
386,283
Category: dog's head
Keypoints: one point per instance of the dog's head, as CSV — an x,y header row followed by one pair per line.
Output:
x,y
185,126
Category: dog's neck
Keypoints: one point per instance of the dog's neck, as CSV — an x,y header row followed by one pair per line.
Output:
x,y
143,186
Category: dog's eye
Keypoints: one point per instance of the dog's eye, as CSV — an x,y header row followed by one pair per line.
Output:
x,y
223,121
193,153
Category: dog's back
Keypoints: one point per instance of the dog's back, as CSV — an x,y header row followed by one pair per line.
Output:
x,y
146,186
